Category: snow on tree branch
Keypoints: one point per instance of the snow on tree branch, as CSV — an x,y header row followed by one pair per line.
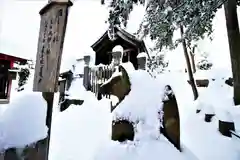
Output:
x,y
163,17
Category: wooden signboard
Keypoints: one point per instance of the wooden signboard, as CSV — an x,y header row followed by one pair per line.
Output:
x,y
50,45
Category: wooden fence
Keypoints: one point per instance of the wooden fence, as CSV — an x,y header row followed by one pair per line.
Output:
x,y
94,77
99,75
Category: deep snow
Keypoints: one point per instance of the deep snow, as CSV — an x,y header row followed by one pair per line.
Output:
x,y
83,132
199,139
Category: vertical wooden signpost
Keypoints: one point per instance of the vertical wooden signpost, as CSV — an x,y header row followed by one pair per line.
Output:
x,y
49,54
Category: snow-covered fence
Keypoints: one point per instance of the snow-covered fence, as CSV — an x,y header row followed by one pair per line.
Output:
x,y
97,75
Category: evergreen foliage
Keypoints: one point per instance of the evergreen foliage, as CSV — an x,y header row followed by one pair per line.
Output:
x,y
23,77
163,17
204,63
156,64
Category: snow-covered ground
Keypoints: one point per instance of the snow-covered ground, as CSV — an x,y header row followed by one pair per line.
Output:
x,y
85,129
84,132
23,119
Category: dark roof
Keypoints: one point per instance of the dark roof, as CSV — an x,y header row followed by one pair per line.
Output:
x,y
16,59
124,35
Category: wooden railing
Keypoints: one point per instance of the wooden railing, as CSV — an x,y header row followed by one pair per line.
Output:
x,y
95,76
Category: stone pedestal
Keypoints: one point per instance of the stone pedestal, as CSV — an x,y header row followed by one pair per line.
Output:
x,y
116,58
142,62
122,130
225,127
208,117
198,111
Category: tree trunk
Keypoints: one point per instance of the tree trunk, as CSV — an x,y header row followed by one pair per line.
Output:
x,y
192,56
230,8
189,68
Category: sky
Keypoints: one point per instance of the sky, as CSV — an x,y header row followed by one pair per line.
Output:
x,y
19,30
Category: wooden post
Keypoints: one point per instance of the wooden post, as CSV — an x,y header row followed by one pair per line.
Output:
x,y
86,77
142,60
49,54
62,86
48,96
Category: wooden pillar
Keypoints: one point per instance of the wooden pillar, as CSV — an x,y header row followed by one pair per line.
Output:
x,y
62,86
142,60
9,83
86,76
49,54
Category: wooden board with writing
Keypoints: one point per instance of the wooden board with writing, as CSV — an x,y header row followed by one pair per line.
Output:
x,y
50,44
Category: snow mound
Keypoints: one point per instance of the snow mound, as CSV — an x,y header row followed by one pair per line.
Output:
x,y
135,105
118,48
142,150
23,121
214,73
77,90
79,68
142,54
138,106
128,66
79,131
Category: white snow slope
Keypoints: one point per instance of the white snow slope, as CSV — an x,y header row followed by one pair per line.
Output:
x,y
83,132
